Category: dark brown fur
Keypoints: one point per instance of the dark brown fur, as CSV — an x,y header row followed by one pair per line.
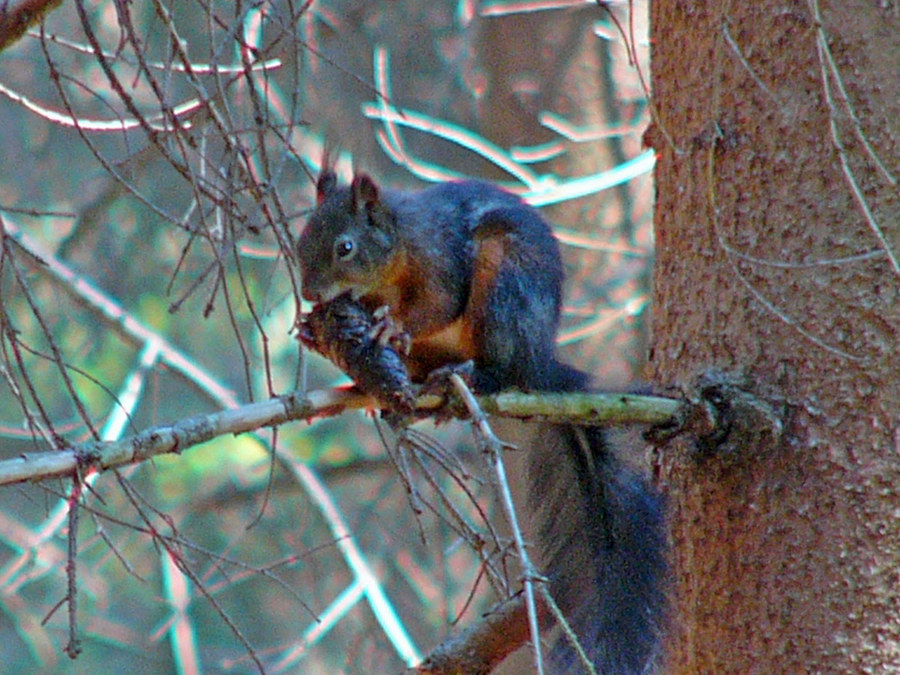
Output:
x,y
470,272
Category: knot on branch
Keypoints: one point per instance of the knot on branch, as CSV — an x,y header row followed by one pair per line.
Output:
x,y
724,417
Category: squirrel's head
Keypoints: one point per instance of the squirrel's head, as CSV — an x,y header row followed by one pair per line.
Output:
x,y
348,243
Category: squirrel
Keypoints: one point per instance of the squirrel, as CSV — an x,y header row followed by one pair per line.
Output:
x,y
471,273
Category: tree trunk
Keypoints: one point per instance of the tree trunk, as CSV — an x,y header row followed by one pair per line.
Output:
x,y
778,239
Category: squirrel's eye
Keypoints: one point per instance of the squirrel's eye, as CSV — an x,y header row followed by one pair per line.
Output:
x,y
344,247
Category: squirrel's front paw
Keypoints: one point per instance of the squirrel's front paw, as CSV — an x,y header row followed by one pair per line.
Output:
x,y
388,333
437,383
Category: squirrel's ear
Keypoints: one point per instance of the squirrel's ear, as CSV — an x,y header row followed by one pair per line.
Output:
x,y
364,190
325,185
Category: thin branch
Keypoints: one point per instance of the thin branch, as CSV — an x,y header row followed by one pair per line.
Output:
x,y
495,447
17,18
598,409
73,646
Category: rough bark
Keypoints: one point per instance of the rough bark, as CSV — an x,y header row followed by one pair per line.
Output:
x,y
777,235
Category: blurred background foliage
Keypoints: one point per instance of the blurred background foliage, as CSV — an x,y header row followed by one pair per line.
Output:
x,y
158,159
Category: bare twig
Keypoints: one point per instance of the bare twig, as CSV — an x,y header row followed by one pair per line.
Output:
x,y
494,446
73,647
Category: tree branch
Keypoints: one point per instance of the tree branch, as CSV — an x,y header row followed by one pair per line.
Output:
x,y
16,18
181,435
483,645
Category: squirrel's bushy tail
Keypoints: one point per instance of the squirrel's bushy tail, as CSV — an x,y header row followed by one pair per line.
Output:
x,y
600,525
